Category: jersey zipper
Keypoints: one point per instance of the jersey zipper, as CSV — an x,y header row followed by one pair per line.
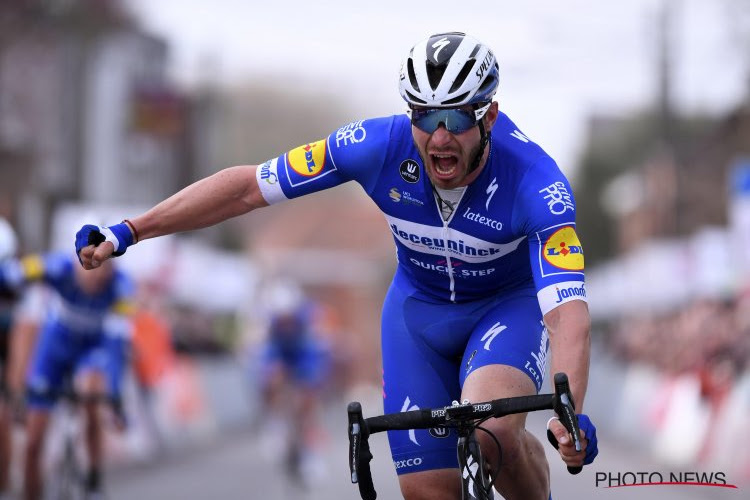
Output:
x,y
446,236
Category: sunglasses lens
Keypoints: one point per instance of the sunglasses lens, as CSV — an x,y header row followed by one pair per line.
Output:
x,y
455,120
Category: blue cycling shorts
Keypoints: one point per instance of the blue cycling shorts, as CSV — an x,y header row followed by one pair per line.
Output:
x,y
307,363
430,348
59,354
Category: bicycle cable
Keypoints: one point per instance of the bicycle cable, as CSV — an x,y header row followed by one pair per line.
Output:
x,y
491,476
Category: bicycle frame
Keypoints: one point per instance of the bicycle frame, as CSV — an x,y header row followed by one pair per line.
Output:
x,y
67,475
465,418
474,481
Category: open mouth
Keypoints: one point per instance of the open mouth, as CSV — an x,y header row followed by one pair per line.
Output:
x,y
446,165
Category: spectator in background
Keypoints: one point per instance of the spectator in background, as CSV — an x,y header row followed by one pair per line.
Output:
x,y
153,353
292,365
84,337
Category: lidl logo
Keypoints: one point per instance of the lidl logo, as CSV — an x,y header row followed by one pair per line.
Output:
x,y
563,250
33,267
308,160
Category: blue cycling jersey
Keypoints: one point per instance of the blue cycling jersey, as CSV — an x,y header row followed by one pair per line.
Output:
x,y
513,225
82,330
73,309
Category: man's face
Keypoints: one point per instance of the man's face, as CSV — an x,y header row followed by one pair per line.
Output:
x,y
447,156
95,280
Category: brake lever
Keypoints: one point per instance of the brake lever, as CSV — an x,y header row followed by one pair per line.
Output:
x,y
565,409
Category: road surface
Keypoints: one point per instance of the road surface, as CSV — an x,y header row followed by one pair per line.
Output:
x,y
240,466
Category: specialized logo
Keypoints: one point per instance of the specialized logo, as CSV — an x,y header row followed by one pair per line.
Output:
x,y
518,135
491,192
490,335
558,198
308,160
486,63
470,472
438,46
354,133
409,171
563,250
407,406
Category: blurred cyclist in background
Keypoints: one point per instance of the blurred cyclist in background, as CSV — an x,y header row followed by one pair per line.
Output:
x,y
290,367
84,338
8,298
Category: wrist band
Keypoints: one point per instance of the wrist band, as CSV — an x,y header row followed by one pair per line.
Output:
x,y
136,238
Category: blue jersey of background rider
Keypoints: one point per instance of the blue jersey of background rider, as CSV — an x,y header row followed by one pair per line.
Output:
x,y
81,331
293,343
514,225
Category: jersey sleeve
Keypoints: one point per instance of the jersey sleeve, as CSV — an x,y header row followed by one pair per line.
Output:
x,y
355,152
545,212
50,268
118,321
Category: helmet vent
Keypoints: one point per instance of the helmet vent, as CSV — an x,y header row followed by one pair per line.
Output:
x,y
435,74
414,98
461,78
412,75
456,100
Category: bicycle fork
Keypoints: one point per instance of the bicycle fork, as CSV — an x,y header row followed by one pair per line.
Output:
x,y
474,481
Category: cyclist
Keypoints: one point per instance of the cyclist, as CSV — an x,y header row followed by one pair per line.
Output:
x,y
490,269
292,364
8,246
84,336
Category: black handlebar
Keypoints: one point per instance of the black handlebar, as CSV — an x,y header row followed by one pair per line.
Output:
x,y
360,428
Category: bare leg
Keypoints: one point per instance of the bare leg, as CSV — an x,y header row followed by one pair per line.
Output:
x,y
92,384
524,471
36,428
6,422
442,484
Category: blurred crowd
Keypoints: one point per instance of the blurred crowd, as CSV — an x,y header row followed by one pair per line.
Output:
x,y
707,336
684,376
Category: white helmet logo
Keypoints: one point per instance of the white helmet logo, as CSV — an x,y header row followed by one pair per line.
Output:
x,y
440,45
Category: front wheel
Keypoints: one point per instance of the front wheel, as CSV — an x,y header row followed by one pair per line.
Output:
x,y
66,481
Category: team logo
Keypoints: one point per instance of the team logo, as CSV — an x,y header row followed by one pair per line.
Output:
x,y
33,267
558,198
409,171
308,160
354,133
395,194
268,174
563,250
440,432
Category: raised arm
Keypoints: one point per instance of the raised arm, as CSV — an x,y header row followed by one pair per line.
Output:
x,y
226,194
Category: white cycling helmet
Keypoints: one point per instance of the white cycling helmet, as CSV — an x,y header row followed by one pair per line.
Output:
x,y
8,240
449,70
